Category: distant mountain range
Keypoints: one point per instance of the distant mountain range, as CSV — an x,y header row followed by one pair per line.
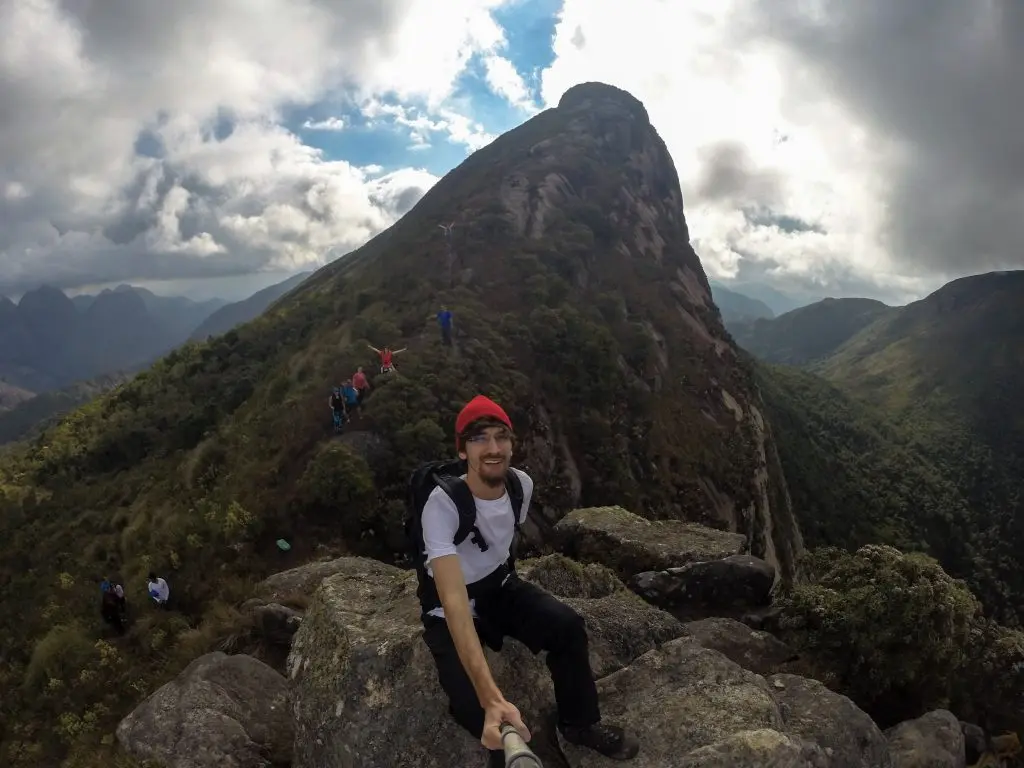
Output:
x,y
57,353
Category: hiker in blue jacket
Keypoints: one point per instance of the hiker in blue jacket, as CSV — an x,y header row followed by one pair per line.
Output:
x,y
444,319
350,395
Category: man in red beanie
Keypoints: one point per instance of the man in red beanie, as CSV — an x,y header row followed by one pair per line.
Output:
x,y
470,593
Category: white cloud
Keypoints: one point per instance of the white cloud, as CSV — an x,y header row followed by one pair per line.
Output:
x,y
222,187
457,128
793,158
505,81
328,124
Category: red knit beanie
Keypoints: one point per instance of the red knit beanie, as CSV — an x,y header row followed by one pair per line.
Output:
x,y
479,407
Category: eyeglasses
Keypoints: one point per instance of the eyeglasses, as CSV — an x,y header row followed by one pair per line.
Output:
x,y
502,438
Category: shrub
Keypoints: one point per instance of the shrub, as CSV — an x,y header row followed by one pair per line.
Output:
x,y
893,627
337,482
60,655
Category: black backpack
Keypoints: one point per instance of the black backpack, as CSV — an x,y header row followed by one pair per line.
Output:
x,y
447,476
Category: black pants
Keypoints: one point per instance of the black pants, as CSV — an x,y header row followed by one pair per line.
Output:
x,y
542,623
446,335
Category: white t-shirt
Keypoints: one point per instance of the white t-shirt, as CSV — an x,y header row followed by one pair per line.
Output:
x,y
160,587
493,519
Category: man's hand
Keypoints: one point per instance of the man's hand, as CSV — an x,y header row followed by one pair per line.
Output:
x,y
497,713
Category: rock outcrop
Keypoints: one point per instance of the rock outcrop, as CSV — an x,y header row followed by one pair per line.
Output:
x,y
934,740
366,693
711,693
686,568
221,712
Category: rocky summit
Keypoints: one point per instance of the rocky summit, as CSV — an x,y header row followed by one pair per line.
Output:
x,y
711,692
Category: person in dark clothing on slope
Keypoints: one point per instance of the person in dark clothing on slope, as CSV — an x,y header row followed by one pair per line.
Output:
x,y
337,406
503,604
444,319
111,608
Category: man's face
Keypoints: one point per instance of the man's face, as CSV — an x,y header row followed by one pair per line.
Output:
x,y
489,453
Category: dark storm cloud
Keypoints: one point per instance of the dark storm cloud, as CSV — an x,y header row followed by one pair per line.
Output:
x,y
728,174
939,82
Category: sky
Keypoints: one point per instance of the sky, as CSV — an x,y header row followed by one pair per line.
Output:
x,y
830,147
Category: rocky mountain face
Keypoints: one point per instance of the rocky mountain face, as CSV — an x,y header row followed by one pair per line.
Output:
x,y
578,304
581,207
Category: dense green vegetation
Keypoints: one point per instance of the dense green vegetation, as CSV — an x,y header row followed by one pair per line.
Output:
x,y
197,466
900,637
917,439
857,476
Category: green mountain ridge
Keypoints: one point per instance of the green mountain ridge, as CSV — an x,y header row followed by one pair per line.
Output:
x,y
808,334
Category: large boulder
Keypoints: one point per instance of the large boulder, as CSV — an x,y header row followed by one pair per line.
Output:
x,y
678,698
831,720
303,580
762,748
366,689
934,740
734,584
752,649
220,712
630,544
368,686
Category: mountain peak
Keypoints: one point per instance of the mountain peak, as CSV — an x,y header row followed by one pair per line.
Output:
x,y
594,94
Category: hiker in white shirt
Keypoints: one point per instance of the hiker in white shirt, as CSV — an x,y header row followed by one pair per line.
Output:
x,y
158,589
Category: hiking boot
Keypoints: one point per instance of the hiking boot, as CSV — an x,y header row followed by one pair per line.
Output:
x,y
608,740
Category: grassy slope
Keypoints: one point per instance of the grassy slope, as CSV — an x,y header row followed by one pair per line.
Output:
x,y
195,467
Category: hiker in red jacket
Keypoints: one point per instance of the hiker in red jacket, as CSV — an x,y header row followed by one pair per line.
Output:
x,y
387,363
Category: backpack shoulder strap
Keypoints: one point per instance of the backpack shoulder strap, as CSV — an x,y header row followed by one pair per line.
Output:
x,y
514,487
458,491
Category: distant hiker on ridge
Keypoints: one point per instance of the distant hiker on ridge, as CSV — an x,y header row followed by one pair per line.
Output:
x,y
463,520
337,405
387,362
158,590
360,383
444,318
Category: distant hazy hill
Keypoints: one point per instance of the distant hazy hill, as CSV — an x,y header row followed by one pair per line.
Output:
x,y
736,308
230,315
809,333
49,341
